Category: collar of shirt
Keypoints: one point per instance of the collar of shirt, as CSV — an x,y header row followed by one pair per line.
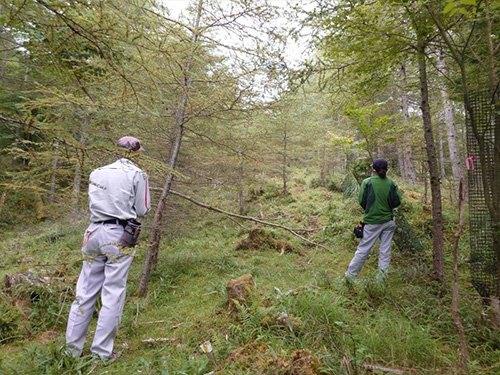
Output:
x,y
127,161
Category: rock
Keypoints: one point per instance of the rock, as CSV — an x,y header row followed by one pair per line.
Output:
x,y
30,277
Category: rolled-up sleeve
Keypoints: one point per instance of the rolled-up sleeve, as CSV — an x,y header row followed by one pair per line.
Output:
x,y
142,201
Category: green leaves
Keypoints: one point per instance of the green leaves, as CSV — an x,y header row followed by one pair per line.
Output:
x,y
461,6
372,126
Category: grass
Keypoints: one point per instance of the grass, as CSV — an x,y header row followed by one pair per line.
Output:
x,y
404,324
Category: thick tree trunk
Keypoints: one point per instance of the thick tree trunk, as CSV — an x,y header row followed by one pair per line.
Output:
x,y
449,119
180,117
406,163
437,218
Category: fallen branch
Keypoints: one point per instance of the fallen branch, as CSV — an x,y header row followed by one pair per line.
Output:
x,y
274,225
160,339
386,369
10,338
153,322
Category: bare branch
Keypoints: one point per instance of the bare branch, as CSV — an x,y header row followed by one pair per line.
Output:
x,y
274,225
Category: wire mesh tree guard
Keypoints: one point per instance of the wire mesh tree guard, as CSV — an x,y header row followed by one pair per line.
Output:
x,y
482,120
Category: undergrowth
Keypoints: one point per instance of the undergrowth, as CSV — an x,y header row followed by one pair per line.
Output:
x,y
301,305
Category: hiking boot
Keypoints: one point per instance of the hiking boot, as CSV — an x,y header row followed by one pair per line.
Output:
x,y
114,356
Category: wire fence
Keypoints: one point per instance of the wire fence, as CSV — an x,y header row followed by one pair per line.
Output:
x,y
481,168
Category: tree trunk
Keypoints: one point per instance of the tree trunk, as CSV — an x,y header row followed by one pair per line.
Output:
x,y
77,178
437,218
77,181
406,162
55,161
284,161
449,119
180,117
3,196
455,294
240,186
442,172
322,170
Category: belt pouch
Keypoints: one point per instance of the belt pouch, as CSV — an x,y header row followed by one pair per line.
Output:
x,y
131,233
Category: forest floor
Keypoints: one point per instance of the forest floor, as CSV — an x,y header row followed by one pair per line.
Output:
x,y
301,318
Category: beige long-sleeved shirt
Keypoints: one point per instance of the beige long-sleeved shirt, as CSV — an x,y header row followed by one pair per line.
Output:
x,y
118,191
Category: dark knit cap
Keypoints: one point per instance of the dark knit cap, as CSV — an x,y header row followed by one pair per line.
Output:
x,y
380,164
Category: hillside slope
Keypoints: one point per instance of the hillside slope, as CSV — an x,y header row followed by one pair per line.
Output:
x,y
300,319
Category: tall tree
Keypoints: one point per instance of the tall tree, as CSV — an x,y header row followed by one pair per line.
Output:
x,y
180,119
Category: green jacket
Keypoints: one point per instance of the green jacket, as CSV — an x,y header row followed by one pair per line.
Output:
x,y
378,197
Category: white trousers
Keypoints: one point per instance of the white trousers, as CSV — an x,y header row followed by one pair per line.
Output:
x,y
104,271
372,232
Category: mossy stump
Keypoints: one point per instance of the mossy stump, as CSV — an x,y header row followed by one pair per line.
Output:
x,y
259,238
238,290
303,363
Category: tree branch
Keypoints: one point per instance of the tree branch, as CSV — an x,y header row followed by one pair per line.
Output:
x,y
274,225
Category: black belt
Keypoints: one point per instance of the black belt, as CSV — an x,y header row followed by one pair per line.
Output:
x,y
113,221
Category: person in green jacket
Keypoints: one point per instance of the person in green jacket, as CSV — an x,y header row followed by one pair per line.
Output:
x,y
378,196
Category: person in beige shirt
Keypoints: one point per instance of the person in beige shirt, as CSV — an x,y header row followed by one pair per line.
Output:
x,y
118,192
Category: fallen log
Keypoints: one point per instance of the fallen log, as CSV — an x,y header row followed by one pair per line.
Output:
x,y
388,370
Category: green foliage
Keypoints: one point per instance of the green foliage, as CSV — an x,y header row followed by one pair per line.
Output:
x,y
389,336
10,319
361,169
374,128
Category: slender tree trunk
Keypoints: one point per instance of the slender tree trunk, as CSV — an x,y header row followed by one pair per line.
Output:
x,y
240,186
449,119
442,172
408,168
77,181
284,160
425,199
455,295
55,160
437,218
322,171
77,178
180,117
3,196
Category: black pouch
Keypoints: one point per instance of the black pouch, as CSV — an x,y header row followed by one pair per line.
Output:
x,y
358,230
131,233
